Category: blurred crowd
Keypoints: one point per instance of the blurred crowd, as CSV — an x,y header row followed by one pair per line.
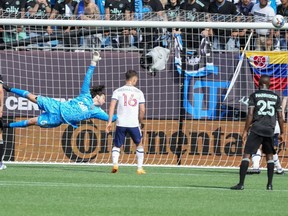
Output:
x,y
74,38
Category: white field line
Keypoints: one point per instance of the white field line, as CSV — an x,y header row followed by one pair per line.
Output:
x,y
62,184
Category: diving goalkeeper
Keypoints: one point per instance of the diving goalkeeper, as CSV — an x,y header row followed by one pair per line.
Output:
x,y
85,106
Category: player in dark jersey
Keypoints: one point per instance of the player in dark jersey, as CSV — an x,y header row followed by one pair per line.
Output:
x,y
117,9
264,109
2,165
192,37
172,10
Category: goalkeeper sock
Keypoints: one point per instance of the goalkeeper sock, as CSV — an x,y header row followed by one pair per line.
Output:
x,y
23,123
243,170
140,157
1,150
256,159
270,171
277,162
115,155
20,92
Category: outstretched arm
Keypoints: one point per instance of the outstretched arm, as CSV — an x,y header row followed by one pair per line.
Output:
x,y
86,84
102,115
111,112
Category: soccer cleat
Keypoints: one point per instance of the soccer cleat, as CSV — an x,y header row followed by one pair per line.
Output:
x,y
3,125
114,169
2,166
280,172
269,187
237,187
253,171
141,171
6,87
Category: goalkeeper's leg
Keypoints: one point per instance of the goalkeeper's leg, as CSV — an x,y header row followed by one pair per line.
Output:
x,y
23,123
21,93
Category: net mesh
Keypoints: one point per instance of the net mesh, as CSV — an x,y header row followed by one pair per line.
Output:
x,y
187,120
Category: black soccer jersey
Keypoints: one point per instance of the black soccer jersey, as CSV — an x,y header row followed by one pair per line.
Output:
x,y
117,8
60,6
282,10
172,11
191,10
226,8
41,12
12,6
266,105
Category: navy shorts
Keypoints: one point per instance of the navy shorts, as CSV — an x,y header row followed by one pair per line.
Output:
x,y
276,141
254,141
121,132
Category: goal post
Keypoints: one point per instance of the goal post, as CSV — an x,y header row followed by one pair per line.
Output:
x,y
187,123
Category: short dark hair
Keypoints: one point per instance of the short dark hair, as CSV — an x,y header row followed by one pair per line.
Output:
x,y
97,90
131,73
264,80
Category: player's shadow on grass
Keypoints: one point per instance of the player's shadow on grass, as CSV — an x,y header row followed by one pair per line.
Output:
x,y
82,169
208,186
55,168
232,172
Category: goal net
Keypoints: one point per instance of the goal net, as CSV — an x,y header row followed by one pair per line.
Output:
x,y
185,69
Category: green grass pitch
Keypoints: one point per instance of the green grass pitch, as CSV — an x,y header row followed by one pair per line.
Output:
x,y
92,190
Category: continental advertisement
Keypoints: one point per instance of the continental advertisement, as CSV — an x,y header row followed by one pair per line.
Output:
x,y
202,143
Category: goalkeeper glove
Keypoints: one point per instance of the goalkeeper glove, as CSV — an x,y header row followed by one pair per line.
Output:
x,y
96,58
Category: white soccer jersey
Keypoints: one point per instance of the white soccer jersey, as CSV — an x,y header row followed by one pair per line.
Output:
x,y
129,98
262,15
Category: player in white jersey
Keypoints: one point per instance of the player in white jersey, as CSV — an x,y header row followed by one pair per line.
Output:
x,y
130,103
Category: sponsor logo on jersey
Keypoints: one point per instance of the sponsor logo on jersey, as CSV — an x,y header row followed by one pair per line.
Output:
x,y
43,122
12,9
82,106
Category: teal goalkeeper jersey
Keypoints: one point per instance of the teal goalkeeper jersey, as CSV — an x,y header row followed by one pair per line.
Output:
x,y
82,107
